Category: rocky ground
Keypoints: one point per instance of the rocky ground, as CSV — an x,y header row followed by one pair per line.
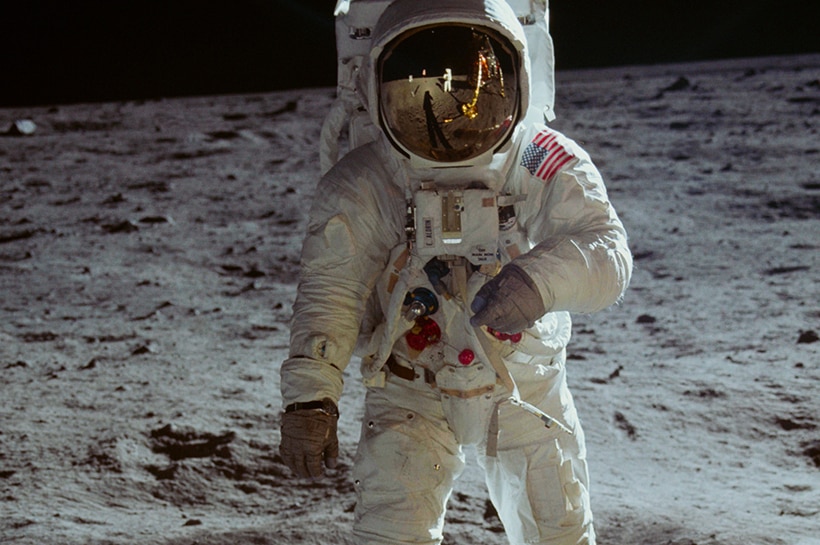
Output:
x,y
148,256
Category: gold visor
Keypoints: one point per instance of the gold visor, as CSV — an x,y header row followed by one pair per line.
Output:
x,y
448,93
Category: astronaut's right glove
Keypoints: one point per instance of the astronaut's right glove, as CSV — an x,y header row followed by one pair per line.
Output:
x,y
309,437
509,303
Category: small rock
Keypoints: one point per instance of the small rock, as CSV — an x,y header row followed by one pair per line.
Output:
x,y
808,337
121,227
680,84
625,425
812,450
157,219
90,365
148,348
22,127
254,273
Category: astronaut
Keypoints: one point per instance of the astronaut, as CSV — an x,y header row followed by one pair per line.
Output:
x,y
448,255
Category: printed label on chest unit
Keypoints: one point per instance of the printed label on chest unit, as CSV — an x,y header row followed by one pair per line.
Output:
x,y
457,222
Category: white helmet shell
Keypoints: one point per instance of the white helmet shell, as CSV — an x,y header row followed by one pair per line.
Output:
x,y
463,110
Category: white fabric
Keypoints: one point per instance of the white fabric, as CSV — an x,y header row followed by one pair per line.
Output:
x,y
580,259
534,15
354,21
408,459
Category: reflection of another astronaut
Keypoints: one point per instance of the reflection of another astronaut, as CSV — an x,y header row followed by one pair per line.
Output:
x,y
448,80
434,131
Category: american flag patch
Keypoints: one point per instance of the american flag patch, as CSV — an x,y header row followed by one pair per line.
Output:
x,y
544,156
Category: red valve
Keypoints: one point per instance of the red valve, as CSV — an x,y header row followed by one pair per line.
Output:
x,y
424,333
498,335
512,337
466,357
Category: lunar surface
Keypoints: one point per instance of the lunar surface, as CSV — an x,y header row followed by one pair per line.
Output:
x,y
149,252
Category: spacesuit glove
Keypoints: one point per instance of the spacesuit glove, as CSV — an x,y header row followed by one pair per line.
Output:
x,y
509,303
309,440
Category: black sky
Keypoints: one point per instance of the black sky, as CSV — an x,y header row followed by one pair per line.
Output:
x,y
57,51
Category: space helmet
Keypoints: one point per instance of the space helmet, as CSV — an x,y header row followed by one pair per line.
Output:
x,y
449,87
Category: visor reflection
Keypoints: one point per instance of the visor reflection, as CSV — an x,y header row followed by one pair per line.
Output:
x,y
448,93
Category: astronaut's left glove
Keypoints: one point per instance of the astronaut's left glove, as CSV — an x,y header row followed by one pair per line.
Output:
x,y
309,438
509,303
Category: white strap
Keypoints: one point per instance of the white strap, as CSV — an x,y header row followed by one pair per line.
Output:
x,y
491,354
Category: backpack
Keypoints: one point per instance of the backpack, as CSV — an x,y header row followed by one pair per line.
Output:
x,y
354,21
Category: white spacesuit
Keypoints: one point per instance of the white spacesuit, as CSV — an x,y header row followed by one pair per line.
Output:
x,y
448,254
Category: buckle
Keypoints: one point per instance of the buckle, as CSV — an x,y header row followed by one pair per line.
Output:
x,y
400,370
326,405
